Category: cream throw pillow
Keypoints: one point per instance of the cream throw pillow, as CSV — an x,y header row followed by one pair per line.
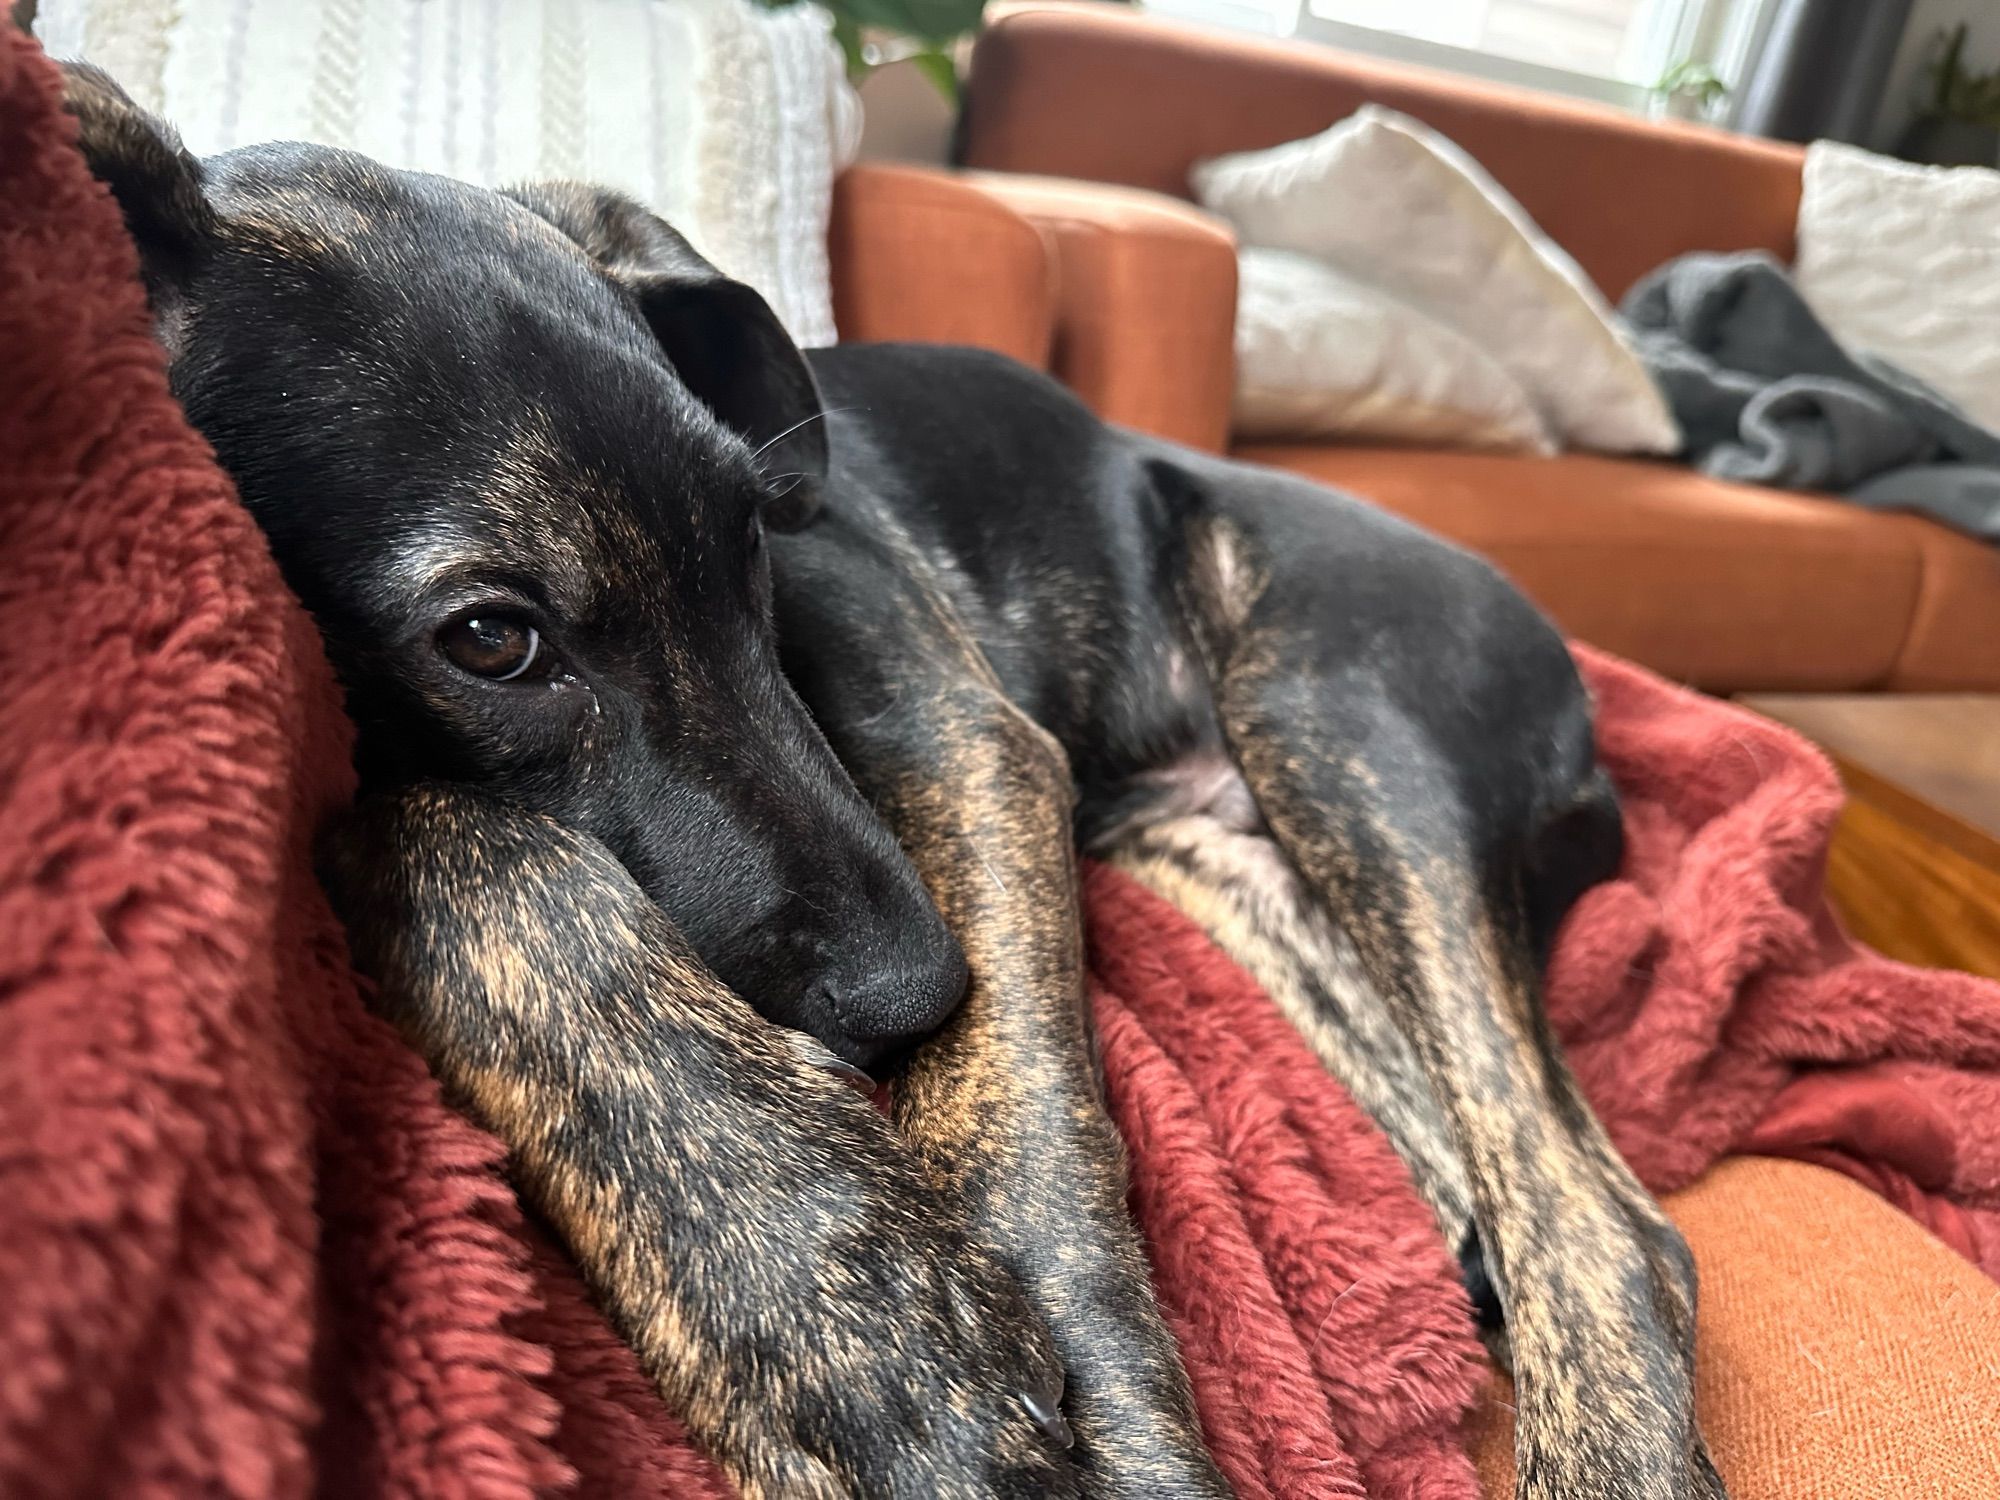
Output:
x,y
728,119
1321,355
1904,261
1390,201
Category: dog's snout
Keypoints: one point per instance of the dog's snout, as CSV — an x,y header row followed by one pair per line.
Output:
x,y
897,1000
885,969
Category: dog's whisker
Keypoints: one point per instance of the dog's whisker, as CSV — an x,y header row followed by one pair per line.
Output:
x,y
818,416
805,899
879,715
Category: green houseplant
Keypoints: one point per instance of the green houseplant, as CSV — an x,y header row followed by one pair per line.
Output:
x,y
1958,117
921,32
1689,90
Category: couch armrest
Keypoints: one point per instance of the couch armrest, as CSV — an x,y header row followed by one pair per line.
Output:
x,y
1146,303
926,255
1111,94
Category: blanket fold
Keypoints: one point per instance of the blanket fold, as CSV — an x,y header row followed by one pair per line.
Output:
x,y
249,1252
1765,394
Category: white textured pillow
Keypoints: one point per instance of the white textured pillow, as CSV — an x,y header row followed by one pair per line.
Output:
x,y
1320,354
1391,201
1904,261
728,119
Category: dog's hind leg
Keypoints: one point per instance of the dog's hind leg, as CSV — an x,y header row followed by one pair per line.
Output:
x,y
1415,736
1238,886
1003,1104
804,1297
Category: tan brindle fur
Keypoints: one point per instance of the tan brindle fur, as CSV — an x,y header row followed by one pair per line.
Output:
x,y
1239,888
1004,1105
549,994
1581,1286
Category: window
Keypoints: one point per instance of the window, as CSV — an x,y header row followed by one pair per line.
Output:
x,y
1598,38
1613,50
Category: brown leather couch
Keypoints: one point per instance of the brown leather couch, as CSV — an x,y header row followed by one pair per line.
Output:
x,y
1725,586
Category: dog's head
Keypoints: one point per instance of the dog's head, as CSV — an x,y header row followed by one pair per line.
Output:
x,y
517,453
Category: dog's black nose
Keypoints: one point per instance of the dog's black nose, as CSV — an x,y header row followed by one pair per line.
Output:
x,y
865,1011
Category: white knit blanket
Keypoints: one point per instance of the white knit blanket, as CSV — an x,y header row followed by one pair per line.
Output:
x,y
728,119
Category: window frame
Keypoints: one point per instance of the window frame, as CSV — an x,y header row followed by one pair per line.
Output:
x,y
1723,33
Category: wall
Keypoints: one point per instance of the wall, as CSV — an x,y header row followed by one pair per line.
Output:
x,y
1927,17
904,117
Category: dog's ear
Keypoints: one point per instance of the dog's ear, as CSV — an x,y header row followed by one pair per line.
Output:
x,y
721,337
157,184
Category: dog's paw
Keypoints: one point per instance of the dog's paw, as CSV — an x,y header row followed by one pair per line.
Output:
x,y
875,1346
1137,1432
919,1371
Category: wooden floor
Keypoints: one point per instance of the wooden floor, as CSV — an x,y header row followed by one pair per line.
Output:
x,y
1915,866
1910,889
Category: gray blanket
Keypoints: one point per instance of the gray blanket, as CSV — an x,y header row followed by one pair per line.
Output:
x,y
1764,394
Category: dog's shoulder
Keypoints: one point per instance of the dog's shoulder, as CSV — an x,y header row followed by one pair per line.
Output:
x,y
906,384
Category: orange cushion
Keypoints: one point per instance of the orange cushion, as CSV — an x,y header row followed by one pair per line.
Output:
x,y
1722,585
1845,1354
922,254
1951,644
1146,307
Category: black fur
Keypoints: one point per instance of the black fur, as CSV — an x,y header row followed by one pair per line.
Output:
x,y
980,618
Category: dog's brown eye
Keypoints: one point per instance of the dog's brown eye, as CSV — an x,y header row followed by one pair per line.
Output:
x,y
492,646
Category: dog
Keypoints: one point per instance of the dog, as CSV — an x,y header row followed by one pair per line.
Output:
x,y
729,721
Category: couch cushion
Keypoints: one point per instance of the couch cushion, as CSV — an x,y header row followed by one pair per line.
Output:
x,y
1722,585
1951,642
1324,354
1842,1352
1440,235
727,117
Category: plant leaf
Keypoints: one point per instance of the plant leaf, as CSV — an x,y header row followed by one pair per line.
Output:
x,y
933,22
941,71
848,35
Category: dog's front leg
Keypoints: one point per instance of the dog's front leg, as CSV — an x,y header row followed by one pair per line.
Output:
x,y
1004,1104
803,1296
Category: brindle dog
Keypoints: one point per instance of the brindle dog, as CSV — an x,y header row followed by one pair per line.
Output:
x,y
677,683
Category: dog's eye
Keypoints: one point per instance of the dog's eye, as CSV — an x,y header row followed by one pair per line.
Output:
x,y
492,646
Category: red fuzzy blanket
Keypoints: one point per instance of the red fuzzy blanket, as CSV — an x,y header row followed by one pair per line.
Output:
x,y
248,1253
